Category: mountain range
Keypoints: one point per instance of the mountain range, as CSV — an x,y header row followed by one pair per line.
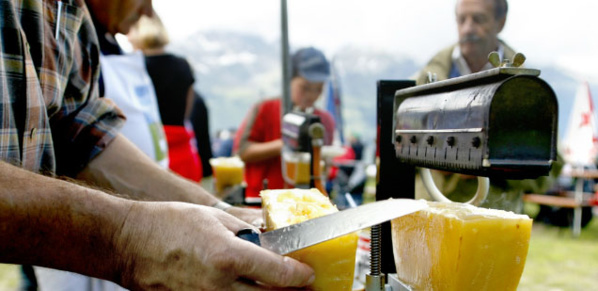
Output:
x,y
236,70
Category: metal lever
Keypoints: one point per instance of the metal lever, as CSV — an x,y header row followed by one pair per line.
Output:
x,y
478,198
316,132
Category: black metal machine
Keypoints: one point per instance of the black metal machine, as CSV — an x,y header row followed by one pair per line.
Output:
x,y
303,137
500,123
295,130
497,123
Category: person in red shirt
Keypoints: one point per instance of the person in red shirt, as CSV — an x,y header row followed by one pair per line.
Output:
x,y
258,141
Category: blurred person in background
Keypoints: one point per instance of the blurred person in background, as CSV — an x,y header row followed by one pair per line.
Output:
x,y
222,146
258,141
203,142
356,145
124,78
201,127
347,173
479,23
54,123
173,80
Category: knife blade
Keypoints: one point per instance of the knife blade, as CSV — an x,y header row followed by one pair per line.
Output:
x,y
310,232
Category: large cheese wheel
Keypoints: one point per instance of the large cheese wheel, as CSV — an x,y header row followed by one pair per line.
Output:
x,y
455,246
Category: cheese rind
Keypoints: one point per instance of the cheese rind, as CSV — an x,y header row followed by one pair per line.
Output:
x,y
333,261
455,246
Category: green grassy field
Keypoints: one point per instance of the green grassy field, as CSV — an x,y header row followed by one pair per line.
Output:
x,y
556,260
559,261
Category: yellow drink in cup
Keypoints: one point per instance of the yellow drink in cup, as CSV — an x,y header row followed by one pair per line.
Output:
x,y
297,166
227,172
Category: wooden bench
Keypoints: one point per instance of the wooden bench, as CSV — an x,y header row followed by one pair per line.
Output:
x,y
559,201
566,200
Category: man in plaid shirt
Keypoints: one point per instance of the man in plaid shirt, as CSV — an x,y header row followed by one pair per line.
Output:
x,y
52,122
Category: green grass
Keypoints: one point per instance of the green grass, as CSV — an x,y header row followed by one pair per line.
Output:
x,y
556,260
559,261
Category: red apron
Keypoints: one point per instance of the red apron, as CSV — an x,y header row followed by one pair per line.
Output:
x,y
183,156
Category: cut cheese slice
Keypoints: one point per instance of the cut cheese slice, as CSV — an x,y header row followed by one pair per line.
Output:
x,y
333,261
455,246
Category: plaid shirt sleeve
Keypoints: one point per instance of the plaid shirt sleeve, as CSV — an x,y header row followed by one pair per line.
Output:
x,y
52,119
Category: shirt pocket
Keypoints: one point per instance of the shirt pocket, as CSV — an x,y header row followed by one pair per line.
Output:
x,y
65,26
68,20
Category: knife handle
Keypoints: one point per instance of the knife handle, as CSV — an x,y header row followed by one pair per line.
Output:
x,y
249,235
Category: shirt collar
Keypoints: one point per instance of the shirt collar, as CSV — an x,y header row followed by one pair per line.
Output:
x,y
461,64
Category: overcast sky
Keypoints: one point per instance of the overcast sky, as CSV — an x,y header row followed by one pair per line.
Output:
x,y
546,31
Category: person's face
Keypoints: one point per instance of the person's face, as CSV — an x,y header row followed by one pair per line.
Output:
x,y
118,16
305,93
478,27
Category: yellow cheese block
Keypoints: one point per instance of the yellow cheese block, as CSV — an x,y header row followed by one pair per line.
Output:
x,y
333,261
455,246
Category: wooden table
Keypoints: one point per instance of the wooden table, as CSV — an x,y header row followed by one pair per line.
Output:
x,y
574,199
560,201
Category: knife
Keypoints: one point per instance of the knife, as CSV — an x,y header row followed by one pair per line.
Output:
x,y
310,232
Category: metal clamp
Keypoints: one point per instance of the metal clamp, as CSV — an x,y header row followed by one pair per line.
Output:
x,y
478,198
494,59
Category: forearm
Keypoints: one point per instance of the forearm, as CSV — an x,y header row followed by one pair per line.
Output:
x,y
259,151
139,245
123,168
57,224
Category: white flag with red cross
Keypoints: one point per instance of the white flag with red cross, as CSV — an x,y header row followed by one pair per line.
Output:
x,y
580,146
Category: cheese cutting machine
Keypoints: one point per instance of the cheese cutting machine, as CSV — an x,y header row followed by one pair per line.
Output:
x,y
497,123
303,138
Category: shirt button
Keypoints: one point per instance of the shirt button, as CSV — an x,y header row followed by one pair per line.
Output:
x,y
32,133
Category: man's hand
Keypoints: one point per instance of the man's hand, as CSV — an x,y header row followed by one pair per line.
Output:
x,y
180,246
252,216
